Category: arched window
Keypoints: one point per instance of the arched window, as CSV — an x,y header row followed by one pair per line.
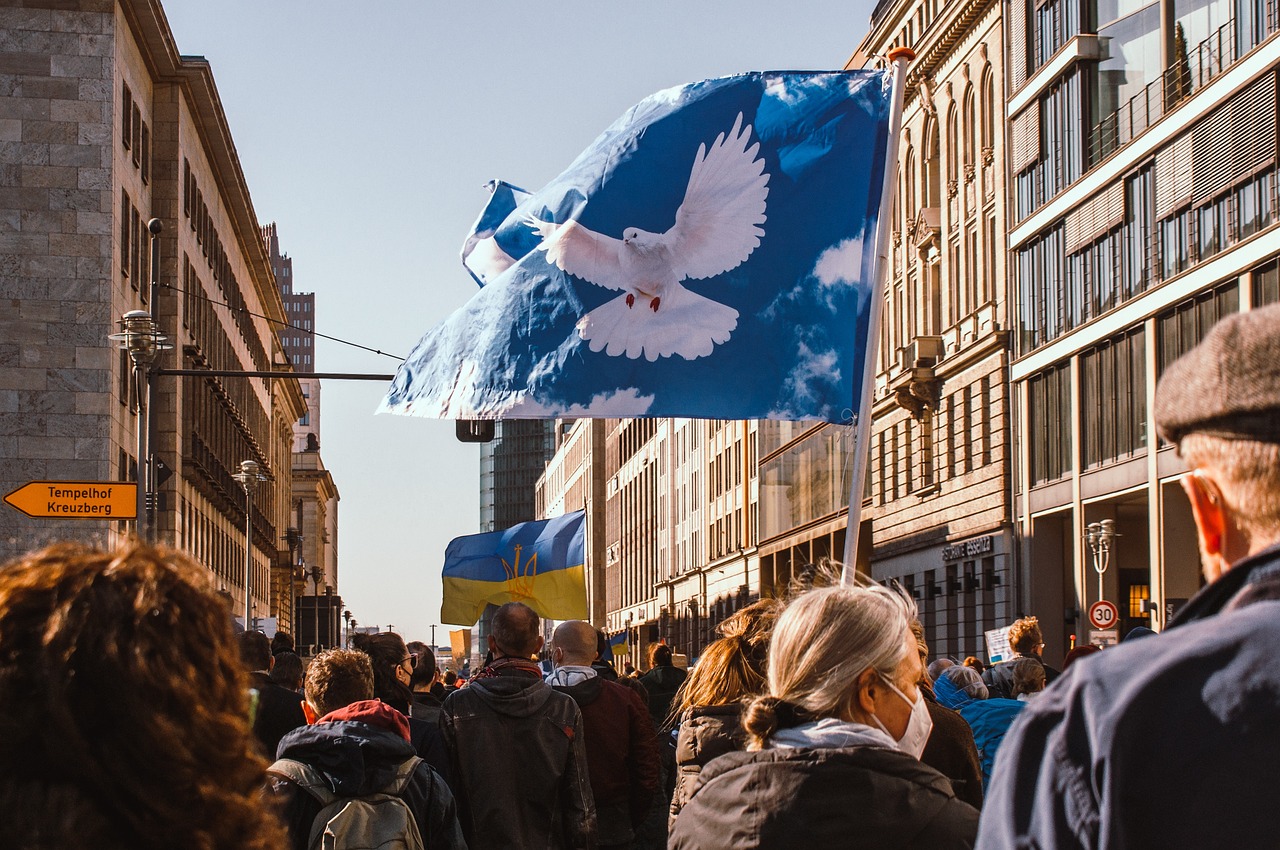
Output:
x,y
988,110
930,177
970,127
909,203
953,145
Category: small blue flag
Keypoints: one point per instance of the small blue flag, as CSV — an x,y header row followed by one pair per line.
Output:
x,y
481,254
538,563
710,255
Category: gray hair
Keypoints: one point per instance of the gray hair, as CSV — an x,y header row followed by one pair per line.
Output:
x,y
828,637
938,667
968,680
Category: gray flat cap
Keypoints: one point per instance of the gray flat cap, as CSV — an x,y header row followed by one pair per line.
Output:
x,y
1227,386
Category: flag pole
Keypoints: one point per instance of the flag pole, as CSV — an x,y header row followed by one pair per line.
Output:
x,y
900,58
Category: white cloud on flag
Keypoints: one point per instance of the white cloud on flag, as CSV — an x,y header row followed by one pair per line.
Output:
x,y
620,403
841,264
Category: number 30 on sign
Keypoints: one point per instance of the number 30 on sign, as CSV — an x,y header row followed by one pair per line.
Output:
x,y
1103,614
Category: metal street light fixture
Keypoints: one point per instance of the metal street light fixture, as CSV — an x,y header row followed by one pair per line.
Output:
x,y
249,477
1100,536
141,337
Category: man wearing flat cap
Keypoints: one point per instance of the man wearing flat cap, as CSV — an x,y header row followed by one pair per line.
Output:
x,y
1174,741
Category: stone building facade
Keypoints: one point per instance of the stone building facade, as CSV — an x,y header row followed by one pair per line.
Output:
x,y
105,126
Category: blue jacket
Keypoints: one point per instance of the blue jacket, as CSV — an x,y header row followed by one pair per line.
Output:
x,y
988,718
1169,742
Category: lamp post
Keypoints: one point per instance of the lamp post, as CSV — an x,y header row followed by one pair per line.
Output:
x,y
1100,536
249,477
140,336
346,616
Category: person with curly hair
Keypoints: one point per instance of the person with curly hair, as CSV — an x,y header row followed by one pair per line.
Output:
x,y
834,743
1026,641
124,709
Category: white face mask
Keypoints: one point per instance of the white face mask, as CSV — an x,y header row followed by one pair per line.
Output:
x,y
918,727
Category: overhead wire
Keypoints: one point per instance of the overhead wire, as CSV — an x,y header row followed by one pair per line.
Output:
x,y
290,325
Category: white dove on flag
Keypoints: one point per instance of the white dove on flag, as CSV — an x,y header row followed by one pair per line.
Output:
x,y
717,228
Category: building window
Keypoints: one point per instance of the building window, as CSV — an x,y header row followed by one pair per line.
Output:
x,y
1186,324
1266,284
1175,244
1049,404
1113,399
1139,205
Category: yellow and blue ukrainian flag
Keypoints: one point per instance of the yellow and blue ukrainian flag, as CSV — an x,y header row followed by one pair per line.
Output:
x,y
538,563
619,643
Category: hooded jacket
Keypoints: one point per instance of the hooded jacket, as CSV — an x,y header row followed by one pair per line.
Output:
x,y
826,784
989,719
358,750
622,755
519,764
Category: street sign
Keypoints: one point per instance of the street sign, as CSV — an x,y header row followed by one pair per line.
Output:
x,y
1102,638
76,499
1103,615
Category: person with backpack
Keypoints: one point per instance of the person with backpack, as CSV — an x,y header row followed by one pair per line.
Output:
x,y
351,779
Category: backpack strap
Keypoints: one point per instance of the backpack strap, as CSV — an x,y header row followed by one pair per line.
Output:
x,y
305,777
404,774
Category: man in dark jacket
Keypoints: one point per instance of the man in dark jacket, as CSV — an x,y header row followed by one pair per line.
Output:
x,y
279,709
1173,741
356,745
622,755
517,749
662,681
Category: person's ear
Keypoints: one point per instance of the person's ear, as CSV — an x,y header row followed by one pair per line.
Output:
x,y
271,663
309,712
1209,511
538,648
493,644
865,691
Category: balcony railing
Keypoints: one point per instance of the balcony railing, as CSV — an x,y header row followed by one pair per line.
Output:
x,y
1184,78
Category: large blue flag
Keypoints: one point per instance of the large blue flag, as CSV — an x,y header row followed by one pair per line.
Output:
x,y
538,563
710,255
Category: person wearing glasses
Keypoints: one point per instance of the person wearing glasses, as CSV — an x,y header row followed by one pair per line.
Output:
x,y
1026,641
1174,741
393,666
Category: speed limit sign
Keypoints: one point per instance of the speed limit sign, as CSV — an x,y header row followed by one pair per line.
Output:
x,y
1103,615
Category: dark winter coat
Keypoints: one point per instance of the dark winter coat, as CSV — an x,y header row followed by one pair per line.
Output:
x,y
519,764
1167,742
705,733
279,712
358,750
951,751
850,797
662,682
622,755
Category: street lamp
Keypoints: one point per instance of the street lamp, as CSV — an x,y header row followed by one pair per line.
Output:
x,y
249,477
346,616
1100,536
140,336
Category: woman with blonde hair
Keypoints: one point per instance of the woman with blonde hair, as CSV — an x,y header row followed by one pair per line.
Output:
x,y
834,745
709,703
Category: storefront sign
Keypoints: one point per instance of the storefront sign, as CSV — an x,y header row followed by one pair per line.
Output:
x,y
969,548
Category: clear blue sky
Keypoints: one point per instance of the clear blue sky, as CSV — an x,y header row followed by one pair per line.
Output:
x,y
367,132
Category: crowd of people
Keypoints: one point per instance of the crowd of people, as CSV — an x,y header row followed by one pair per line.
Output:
x,y
132,716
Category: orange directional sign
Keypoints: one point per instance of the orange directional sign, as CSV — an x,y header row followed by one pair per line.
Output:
x,y
77,499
